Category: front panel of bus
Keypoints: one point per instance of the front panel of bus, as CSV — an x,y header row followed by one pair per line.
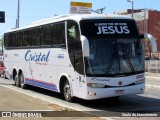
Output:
x,y
115,65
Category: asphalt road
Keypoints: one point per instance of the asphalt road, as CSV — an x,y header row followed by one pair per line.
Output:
x,y
149,102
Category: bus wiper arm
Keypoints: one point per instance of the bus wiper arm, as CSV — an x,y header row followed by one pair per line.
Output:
x,y
130,65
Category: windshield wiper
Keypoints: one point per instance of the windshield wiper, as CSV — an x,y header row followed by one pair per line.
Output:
x,y
130,65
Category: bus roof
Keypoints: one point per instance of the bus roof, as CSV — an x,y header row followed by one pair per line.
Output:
x,y
76,17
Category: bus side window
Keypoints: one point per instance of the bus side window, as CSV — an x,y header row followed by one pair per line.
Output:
x,y
18,40
14,39
35,37
6,40
26,38
59,35
46,35
72,34
11,41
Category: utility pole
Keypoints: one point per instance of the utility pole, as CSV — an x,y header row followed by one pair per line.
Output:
x,y
145,24
145,21
132,6
18,14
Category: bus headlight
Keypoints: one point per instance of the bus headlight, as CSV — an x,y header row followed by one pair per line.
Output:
x,y
95,85
140,81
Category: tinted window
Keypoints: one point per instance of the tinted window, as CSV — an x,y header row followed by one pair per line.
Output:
x,y
11,40
46,35
59,34
74,46
6,40
15,41
35,37
26,38
18,40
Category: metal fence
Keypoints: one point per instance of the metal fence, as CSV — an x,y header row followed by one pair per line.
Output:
x,y
152,66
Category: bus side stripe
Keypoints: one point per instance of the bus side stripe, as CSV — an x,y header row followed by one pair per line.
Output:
x,y
39,83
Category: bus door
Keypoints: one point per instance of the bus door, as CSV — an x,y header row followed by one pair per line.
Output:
x,y
75,54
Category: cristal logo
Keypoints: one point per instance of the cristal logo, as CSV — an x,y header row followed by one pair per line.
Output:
x,y
112,28
97,79
37,57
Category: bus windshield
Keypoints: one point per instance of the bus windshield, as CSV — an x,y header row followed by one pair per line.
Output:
x,y
115,47
114,57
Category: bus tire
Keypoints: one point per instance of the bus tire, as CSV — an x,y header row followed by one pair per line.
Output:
x,y
22,81
67,92
17,82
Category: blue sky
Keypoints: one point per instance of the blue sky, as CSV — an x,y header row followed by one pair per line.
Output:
x,y
33,10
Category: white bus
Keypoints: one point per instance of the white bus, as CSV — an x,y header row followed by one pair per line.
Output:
x,y
85,56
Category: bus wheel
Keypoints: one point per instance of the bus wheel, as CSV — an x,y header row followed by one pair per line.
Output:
x,y
67,92
22,82
17,82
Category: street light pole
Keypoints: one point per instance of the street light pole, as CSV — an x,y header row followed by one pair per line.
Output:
x,y
145,22
18,14
132,6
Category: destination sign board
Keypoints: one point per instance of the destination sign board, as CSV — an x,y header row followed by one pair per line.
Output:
x,y
80,8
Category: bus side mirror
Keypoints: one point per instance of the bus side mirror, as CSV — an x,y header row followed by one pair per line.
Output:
x,y
153,42
85,46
